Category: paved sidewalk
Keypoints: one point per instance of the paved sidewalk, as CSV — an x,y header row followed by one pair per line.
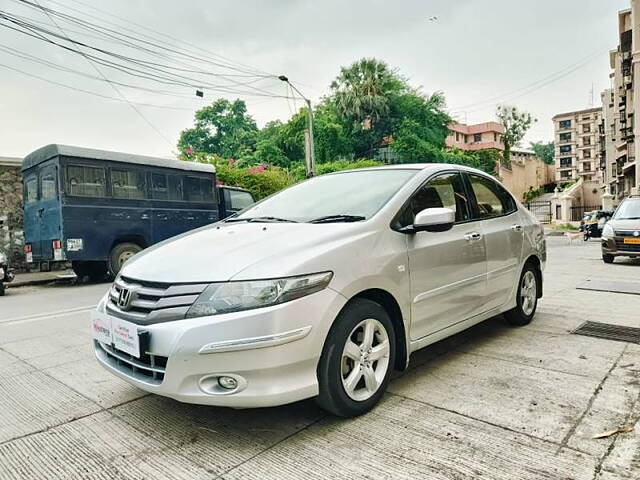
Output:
x,y
494,402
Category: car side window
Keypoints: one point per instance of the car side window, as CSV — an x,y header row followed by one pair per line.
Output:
x,y
492,200
446,190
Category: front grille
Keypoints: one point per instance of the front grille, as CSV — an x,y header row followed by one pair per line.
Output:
x,y
625,233
148,368
627,247
152,302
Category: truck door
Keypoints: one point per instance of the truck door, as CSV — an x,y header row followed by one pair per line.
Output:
x,y
49,213
31,215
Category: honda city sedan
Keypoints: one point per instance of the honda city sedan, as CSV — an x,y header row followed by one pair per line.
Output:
x,y
322,289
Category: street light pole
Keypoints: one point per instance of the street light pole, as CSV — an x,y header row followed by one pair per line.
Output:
x,y
309,150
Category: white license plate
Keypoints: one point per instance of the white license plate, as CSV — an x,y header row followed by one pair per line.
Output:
x,y
30,257
121,334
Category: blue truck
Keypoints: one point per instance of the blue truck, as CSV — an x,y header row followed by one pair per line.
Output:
x,y
97,208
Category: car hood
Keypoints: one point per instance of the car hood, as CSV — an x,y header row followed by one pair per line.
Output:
x,y
242,251
625,224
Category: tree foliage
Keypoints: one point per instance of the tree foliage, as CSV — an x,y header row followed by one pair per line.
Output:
x,y
545,151
516,124
223,128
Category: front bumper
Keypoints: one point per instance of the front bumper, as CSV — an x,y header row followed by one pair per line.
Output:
x,y
615,246
273,352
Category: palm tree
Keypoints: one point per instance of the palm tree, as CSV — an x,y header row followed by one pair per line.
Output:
x,y
361,92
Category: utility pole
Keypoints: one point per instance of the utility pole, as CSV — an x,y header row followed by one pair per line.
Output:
x,y
310,156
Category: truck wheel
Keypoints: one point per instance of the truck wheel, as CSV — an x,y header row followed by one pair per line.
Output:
x,y
2,287
120,254
357,359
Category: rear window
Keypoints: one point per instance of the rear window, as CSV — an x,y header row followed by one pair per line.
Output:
x,y
31,189
128,184
199,189
85,181
48,184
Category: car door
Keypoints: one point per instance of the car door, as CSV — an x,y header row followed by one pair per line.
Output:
x,y
447,269
503,232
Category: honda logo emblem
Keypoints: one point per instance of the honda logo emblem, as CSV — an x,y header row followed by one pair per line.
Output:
x,y
124,299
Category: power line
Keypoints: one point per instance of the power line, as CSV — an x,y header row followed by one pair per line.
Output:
x,y
115,88
96,94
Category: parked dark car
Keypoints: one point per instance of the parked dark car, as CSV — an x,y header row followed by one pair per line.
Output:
x,y
593,222
97,209
621,234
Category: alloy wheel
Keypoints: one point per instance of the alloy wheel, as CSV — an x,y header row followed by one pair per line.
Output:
x,y
528,292
365,359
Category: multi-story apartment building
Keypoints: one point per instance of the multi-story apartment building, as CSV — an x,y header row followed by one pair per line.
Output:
x,y
480,136
618,128
577,150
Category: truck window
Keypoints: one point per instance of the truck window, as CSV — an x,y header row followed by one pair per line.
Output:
x,y
31,189
199,189
85,181
48,184
239,200
127,184
175,188
159,187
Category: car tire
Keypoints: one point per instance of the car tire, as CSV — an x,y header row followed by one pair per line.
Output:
x,y
526,298
120,254
607,258
2,289
353,378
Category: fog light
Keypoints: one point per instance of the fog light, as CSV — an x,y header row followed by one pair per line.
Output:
x,y
228,383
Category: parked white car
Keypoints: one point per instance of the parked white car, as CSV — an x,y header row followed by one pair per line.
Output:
x,y
322,289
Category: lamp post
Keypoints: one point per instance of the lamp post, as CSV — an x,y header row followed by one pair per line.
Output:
x,y
310,156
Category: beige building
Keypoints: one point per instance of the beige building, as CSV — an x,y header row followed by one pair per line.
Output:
x,y
619,130
527,172
577,149
481,136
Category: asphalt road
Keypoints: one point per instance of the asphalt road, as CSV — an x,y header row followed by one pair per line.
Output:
x,y
493,403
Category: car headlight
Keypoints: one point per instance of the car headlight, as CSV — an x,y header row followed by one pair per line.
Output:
x,y
607,231
3,258
226,297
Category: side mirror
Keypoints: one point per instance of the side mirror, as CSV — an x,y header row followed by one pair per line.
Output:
x,y
434,220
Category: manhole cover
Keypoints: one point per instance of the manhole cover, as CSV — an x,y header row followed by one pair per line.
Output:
x,y
608,331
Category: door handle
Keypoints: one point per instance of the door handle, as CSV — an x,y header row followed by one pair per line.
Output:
x,y
516,228
472,236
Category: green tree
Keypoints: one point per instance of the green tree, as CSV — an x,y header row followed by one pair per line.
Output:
x,y
223,128
516,124
545,151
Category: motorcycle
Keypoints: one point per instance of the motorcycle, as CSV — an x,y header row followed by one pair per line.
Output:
x,y
6,274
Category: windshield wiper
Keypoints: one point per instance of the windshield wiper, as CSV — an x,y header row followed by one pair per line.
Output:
x,y
338,218
260,219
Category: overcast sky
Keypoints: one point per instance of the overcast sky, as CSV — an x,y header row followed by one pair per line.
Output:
x,y
542,55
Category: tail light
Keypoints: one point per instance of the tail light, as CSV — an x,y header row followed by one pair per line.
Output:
x,y
27,248
57,245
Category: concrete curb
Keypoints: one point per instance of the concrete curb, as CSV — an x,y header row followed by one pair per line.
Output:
x,y
39,281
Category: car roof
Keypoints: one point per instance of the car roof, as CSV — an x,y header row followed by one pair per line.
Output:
x,y
54,150
421,166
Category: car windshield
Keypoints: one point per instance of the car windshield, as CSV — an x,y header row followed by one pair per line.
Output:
x,y
339,197
628,210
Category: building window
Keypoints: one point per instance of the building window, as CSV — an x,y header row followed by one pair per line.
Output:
x,y
495,137
565,137
586,141
565,124
565,148
477,137
586,128
457,137
587,154
565,162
